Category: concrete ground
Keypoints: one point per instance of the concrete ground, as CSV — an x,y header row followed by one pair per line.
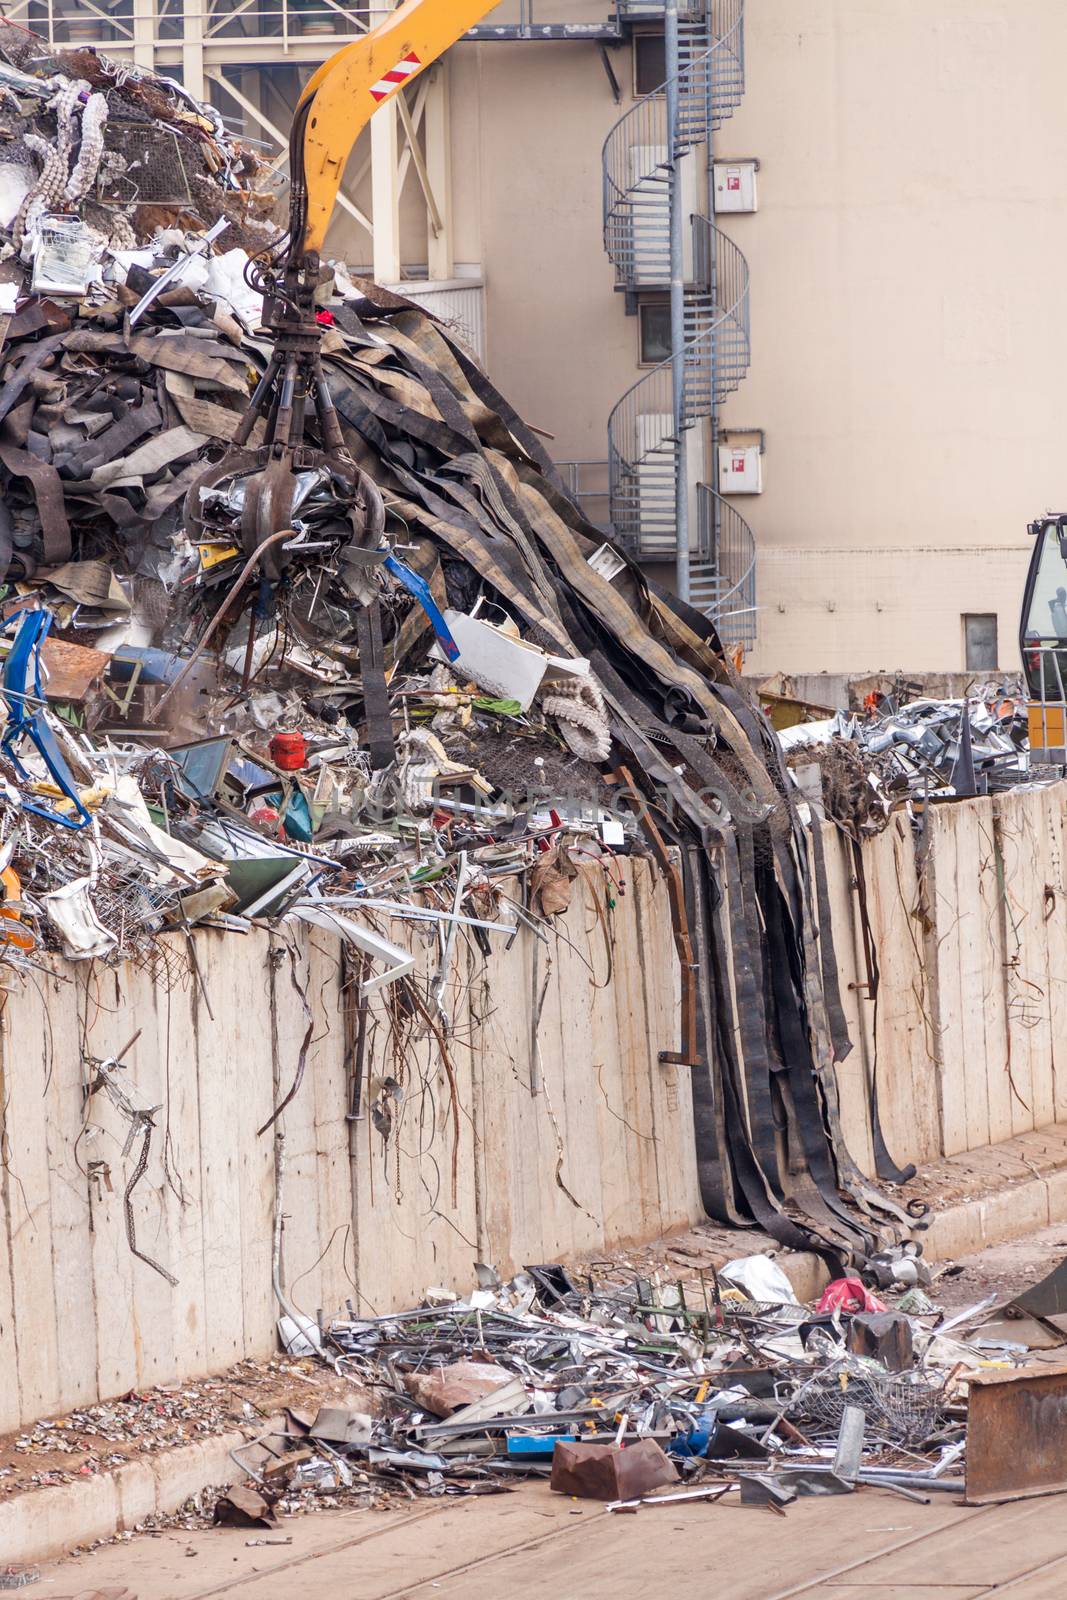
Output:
x,y
1002,1269
869,1546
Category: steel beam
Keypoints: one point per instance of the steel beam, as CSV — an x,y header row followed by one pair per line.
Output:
x,y
215,75
385,190
440,246
576,32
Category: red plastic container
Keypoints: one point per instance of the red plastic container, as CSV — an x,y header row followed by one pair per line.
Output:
x,y
288,751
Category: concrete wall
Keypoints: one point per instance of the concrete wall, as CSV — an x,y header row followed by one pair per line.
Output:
x,y
566,1137
968,1036
595,1117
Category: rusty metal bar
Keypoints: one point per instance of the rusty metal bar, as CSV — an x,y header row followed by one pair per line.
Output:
x,y
689,1055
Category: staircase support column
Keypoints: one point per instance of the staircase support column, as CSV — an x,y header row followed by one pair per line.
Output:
x,y
681,465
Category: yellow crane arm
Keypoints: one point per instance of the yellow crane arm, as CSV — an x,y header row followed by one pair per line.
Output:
x,y
342,96
335,107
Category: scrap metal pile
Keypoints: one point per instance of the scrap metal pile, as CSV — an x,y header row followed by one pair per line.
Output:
x,y
638,1392
426,699
920,749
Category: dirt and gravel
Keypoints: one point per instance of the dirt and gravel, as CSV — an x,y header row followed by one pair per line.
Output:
x,y
97,1438
1002,1269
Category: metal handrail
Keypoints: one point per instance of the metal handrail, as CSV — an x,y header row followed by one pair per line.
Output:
x,y
640,425
530,26
575,475
728,547
638,170
267,21
635,160
65,22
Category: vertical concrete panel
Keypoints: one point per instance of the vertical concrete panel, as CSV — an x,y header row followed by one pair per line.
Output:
x,y
56,1019
970,975
102,1143
1055,909
556,1164
671,1099
943,960
638,1059
1035,821
567,1059
505,1105
521,973
301,1245
612,1131
326,1064
987,994
853,1088
686,1200
11,1410
180,1068
250,963
378,1240
1024,961
136,995
906,1064
655,965
29,1220
221,1045
445,1221
412,1231
23,1023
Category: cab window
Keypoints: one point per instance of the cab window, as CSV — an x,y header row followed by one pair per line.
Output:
x,y
1047,617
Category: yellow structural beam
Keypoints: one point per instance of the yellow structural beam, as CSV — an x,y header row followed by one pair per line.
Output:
x,y
342,96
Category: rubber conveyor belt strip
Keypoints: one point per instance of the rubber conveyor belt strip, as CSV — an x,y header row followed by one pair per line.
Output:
x,y
466,470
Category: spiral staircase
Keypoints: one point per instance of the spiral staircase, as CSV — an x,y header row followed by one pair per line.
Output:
x,y
644,425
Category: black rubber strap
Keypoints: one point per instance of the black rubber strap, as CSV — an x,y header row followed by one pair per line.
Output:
x,y
375,689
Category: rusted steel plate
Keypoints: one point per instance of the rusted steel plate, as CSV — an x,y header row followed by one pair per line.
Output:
x,y
1017,1433
73,669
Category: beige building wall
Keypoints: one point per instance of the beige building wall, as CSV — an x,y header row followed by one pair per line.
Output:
x,y
909,337
908,342
560,345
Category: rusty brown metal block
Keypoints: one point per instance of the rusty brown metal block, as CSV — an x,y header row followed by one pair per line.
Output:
x,y
1017,1433
884,1336
604,1472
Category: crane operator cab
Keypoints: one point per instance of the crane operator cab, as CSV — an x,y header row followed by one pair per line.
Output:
x,y
1043,641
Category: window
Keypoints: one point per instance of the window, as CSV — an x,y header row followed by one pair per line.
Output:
x,y
654,324
980,641
1045,633
650,63
1047,617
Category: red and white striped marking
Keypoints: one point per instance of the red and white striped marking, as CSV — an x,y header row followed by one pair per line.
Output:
x,y
399,74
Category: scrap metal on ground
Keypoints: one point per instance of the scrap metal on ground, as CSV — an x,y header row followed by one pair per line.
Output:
x,y
639,1393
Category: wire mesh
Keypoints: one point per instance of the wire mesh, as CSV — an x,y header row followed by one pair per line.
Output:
x,y
153,174
903,1406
